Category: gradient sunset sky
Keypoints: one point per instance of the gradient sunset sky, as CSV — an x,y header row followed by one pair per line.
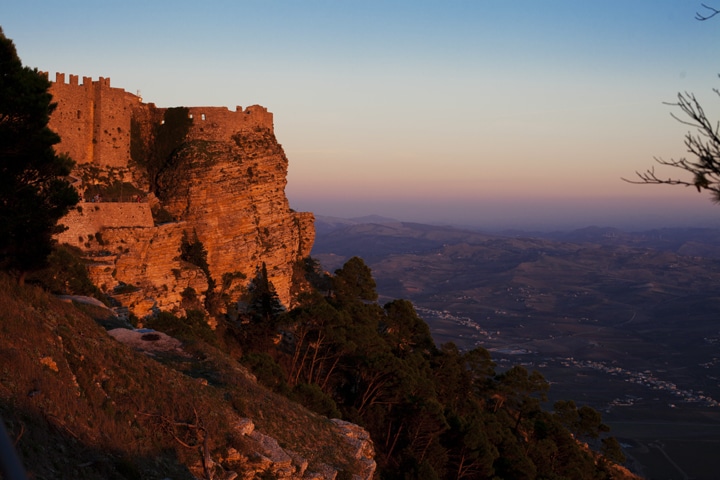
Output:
x,y
494,113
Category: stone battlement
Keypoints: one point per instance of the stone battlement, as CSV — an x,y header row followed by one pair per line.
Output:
x,y
95,121
73,80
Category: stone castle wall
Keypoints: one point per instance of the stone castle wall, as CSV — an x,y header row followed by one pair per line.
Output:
x,y
235,203
90,218
220,123
94,119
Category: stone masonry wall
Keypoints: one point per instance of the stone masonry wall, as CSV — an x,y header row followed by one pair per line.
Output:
x,y
90,218
94,120
220,123
225,185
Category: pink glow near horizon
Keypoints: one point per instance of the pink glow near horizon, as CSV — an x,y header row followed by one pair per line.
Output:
x,y
432,111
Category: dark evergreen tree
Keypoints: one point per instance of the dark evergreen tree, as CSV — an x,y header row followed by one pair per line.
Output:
x,y
432,412
264,306
612,450
34,194
193,251
354,281
404,330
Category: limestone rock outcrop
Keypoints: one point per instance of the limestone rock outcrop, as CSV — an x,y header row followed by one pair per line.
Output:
x,y
360,440
233,195
152,178
265,456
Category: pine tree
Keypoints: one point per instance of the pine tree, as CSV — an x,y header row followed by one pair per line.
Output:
x,y
264,306
34,195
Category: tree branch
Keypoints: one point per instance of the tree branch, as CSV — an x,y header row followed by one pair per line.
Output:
x,y
702,18
703,144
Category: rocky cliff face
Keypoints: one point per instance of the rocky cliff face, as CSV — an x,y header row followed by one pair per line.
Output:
x,y
168,176
232,194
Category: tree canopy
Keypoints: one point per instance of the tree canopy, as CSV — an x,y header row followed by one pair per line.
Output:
x,y
432,412
34,194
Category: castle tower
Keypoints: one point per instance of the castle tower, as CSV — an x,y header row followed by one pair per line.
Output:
x,y
93,120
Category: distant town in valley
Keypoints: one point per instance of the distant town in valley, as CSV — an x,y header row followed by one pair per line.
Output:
x,y
625,322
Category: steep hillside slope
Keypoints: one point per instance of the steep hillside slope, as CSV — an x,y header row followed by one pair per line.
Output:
x,y
79,404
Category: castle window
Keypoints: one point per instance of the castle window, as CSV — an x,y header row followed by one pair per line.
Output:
x,y
202,117
190,116
78,114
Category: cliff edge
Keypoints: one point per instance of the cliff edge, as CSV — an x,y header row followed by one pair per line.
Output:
x,y
158,183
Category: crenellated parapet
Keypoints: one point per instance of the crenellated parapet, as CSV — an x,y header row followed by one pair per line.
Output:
x,y
93,120
73,80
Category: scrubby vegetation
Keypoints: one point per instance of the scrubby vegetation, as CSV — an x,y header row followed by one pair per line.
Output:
x,y
78,404
433,412
66,273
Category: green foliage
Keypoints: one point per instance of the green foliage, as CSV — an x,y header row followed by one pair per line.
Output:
x,y
405,330
33,193
583,422
267,371
354,281
191,327
193,251
312,397
432,412
263,304
612,450
123,287
190,299
228,277
259,315
313,273
65,274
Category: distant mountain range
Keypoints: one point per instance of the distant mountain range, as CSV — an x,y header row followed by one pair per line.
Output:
x,y
626,322
336,235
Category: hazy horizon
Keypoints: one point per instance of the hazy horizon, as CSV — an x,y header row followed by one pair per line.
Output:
x,y
527,214
524,114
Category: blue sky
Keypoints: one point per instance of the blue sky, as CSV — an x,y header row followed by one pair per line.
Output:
x,y
489,113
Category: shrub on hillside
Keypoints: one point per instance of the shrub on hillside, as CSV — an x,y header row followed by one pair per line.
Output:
x,y
191,327
66,274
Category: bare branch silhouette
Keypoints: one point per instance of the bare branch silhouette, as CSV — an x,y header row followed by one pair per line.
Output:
x,y
702,18
703,143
